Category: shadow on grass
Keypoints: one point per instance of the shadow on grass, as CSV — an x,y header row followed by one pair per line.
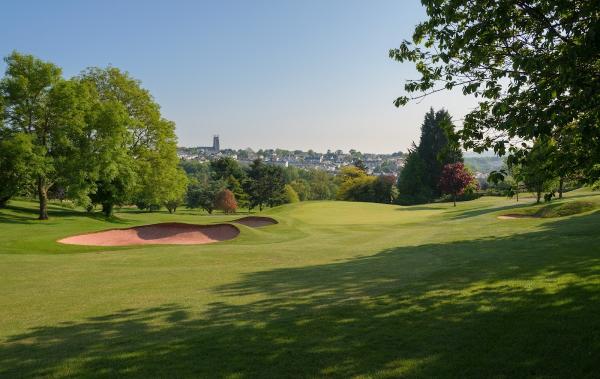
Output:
x,y
462,214
26,215
419,208
521,306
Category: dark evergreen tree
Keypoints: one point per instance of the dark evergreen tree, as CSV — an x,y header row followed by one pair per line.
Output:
x,y
411,186
438,146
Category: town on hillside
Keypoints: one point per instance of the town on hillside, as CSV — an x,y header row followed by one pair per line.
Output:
x,y
331,161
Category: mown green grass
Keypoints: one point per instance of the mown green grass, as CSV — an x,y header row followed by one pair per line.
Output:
x,y
335,289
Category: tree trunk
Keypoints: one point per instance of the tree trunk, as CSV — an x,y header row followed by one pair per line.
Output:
x,y
539,196
454,199
3,201
43,197
561,184
517,194
107,209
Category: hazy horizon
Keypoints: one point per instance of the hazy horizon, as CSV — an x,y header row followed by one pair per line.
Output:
x,y
262,75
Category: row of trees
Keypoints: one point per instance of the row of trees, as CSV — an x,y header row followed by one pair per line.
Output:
x,y
256,186
98,138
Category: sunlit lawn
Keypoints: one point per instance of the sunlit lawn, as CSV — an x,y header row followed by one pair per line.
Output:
x,y
335,289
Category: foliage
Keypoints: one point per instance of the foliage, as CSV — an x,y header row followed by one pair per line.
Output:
x,y
438,146
203,195
455,179
38,102
537,170
533,65
265,185
290,195
225,201
356,185
411,186
16,155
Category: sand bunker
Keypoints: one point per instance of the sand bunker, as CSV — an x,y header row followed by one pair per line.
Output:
x,y
513,216
256,221
157,234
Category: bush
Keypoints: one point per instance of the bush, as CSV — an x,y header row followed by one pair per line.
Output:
x,y
290,195
225,201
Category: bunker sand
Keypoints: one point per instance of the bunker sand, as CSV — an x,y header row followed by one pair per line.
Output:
x,y
256,221
157,234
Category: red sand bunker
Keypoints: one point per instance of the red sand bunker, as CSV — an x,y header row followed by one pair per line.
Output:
x,y
256,221
171,233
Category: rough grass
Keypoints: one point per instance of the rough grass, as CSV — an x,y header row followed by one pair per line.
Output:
x,y
335,289
564,209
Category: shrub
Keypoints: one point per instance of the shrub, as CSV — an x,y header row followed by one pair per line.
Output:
x,y
290,195
225,201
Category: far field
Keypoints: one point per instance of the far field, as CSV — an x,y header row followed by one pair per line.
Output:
x,y
335,289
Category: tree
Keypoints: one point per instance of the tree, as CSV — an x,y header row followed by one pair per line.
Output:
x,y
151,142
455,179
302,188
412,188
536,169
438,146
265,185
225,201
290,195
16,154
225,167
533,65
40,103
384,189
203,195
359,164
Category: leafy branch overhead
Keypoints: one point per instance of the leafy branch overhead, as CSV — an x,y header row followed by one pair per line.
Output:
x,y
533,65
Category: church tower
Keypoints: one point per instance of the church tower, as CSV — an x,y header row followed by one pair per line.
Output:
x,y
216,146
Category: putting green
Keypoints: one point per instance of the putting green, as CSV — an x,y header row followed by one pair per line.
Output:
x,y
334,289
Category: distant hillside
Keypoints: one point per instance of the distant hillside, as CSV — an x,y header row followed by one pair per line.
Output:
x,y
484,164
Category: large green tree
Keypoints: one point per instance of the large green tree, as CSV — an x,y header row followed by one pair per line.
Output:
x,y
151,143
41,104
534,65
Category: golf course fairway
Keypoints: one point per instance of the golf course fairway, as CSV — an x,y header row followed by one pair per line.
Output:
x,y
334,289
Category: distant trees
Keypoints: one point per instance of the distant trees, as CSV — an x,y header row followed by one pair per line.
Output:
x,y
419,179
455,178
356,185
256,186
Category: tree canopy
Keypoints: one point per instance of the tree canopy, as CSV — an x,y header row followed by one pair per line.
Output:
x,y
534,65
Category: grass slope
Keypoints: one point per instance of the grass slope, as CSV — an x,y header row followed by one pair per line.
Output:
x,y
335,289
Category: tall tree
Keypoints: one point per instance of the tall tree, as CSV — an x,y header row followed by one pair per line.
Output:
x,y
412,188
437,147
41,104
533,65
151,142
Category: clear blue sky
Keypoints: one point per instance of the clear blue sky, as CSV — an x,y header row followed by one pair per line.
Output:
x,y
291,74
